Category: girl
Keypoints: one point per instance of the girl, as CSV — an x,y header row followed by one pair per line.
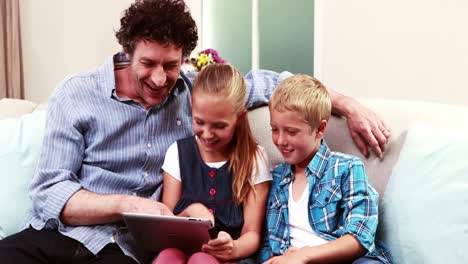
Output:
x,y
220,173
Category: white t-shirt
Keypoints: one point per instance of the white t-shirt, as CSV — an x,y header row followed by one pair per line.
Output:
x,y
301,233
172,167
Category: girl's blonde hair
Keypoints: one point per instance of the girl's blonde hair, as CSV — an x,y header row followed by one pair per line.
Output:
x,y
226,81
305,95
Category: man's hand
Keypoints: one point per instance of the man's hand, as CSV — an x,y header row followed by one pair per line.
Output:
x,y
367,129
198,210
132,204
88,208
222,247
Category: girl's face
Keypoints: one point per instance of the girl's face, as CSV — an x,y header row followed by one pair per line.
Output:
x,y
214,122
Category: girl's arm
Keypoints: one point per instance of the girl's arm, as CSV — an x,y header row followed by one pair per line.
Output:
x,y
172,190
224,247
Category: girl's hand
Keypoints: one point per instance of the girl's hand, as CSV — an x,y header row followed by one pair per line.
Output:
x,y
223,247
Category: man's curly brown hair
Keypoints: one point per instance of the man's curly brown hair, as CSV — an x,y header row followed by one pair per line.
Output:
x,y
163,21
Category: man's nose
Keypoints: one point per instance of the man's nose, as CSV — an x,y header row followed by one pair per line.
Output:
x,y
158,76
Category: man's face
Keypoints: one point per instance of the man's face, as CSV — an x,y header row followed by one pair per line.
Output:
x,y
293,137
154,71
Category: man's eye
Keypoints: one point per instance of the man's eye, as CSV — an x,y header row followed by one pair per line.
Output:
x,y
147,63
170,66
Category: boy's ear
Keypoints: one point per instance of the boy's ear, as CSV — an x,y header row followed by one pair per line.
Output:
x,y
321,129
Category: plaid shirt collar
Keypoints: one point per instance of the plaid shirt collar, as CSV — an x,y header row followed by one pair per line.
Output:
x,y
316,166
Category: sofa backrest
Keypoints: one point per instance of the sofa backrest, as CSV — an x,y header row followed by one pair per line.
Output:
x,y
398,116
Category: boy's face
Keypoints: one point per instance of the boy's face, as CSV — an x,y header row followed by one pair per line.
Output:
x,y
293,137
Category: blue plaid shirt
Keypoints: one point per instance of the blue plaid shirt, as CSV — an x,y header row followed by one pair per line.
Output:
x,y
341,202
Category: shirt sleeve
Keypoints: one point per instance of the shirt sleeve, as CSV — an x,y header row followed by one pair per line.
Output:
x,y
261,84
360,205
171,162
263,167
55,179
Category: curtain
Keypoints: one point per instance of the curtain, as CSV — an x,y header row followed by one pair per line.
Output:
x,y
11,77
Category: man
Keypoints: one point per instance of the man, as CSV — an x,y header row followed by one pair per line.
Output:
x,y
107,132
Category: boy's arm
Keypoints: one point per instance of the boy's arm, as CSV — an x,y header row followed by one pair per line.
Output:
x,y
345,248
359,205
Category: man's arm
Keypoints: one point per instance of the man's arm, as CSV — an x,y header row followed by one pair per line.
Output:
x,y
366,128
55,189
88,208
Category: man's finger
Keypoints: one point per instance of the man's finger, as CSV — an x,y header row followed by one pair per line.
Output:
x,y
381,139
360,144
373,143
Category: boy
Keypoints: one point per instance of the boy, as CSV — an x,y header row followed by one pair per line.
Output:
x,y
321,207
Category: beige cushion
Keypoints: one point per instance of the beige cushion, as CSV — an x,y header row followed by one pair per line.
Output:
x,y
12,108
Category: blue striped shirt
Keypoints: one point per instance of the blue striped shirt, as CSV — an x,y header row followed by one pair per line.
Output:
x,y
341,202
99,142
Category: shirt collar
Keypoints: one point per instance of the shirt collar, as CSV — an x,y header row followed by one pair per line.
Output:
x,y
316,166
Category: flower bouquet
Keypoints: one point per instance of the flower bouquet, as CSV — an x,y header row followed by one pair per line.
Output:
x,y
204,58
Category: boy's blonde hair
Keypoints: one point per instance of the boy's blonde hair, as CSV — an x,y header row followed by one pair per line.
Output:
x,y
226,81
303,94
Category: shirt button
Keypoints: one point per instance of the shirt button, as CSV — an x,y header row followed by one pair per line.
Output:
x,y
149,145
179,122
145,175
212,173
112,239
212,191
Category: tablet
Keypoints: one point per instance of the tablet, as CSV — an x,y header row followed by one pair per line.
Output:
x,y
157,232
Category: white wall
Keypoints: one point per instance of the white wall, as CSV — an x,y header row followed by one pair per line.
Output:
x,y
61,37
405,49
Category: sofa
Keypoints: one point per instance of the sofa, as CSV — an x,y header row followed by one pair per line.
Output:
x,y
422,178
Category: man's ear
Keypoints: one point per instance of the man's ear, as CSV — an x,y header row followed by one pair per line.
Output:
x,y
128,56
321,129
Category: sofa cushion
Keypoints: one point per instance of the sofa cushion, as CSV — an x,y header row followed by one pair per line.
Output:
x,y
20,141
424,217
12,108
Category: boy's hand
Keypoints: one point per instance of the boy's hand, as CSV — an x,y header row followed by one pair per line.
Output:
x,y
293,255
223,247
